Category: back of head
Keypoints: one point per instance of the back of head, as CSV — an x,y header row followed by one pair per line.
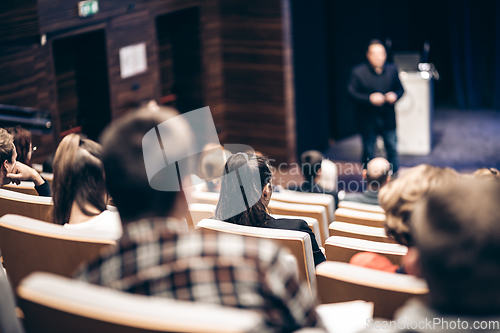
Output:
x,y
398,198
378,171
6,146
244,180
123,158
311,164
487,173
78,177
457,232
22,141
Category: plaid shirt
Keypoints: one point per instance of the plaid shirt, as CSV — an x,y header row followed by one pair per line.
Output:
x,y
158,257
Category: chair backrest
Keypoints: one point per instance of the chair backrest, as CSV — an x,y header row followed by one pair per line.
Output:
x,y
53,303
342,282
359,231
297,242
200,212
312,223
9,322
29,245
33,206
25,187
204,197
343,248
315,212
325,200
359,217
361,207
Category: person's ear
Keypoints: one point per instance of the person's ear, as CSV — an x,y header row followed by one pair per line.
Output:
x,y
411,262
364,173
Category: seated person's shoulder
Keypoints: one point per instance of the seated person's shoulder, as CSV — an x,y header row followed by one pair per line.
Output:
x,y
355,197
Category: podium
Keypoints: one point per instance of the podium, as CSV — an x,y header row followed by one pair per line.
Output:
x,y
414,112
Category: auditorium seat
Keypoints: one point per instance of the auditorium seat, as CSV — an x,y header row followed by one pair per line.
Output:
x,y
343,248
319,199
9,322
33,206
313,211
312,223
361,207
342,282
199,212
24,187
297,242
55,304
30,245
359,217
359,231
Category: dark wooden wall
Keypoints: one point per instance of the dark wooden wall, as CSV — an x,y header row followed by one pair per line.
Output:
x,y
258,76
245,70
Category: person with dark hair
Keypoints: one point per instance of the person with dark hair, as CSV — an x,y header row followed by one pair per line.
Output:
x,y
456,246
255,173
22,141
311,161
375,87
377,174
13,171
158,256
79,188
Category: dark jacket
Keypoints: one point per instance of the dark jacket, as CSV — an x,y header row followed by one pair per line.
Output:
x,y
44,190
367,197
363,82
299,225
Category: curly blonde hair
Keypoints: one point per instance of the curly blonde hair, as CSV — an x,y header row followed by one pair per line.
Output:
x,y
487,173
399,197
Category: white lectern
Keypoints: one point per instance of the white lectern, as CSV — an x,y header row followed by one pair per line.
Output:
x,y
414,114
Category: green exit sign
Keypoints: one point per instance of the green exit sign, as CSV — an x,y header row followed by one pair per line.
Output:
x,y
88,8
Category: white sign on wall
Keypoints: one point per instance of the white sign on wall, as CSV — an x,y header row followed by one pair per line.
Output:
x,y
133,60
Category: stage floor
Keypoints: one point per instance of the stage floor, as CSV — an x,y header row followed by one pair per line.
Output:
x,y
464,140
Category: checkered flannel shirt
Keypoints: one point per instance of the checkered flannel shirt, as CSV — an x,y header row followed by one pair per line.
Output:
x,y
158,257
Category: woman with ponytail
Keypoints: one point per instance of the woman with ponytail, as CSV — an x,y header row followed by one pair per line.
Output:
x,y
246,191
79,189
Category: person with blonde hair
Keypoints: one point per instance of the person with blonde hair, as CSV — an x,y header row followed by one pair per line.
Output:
x,y
399,197
79,187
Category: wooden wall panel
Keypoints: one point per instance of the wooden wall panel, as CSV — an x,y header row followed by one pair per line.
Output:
x,y
126,30
18,19
258,87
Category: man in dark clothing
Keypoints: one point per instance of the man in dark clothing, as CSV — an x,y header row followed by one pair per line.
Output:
x,y
375,87
311,169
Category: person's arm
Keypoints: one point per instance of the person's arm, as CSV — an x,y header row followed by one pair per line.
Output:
x,y
353,90
318,255
398,87
292,302
22,172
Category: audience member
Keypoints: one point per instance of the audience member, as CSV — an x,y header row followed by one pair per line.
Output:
x,y
311,169
398,198
157,256
14,171
377,174
212,166
256,194
22,141
79,188
457,246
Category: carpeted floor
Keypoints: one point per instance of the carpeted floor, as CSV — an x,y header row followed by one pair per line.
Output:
x,y
464,140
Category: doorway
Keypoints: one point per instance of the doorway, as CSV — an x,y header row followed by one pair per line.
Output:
x,y
81,72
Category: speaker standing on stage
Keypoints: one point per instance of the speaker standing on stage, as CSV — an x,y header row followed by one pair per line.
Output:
x,y
375,87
